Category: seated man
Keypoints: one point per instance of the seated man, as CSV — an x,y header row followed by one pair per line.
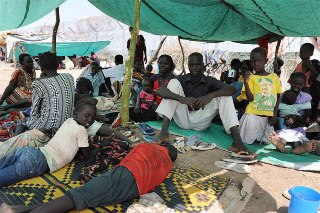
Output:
x,y
194,99
143,169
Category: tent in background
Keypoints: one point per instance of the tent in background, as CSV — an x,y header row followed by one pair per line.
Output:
x,y
38,44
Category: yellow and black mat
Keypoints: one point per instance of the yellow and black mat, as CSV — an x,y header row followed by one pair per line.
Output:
x,y
185,189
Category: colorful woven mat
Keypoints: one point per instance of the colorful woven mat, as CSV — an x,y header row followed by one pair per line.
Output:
x,y
185,189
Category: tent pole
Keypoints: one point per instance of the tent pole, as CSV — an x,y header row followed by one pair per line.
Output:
x,y
14,55
155,56
182,51
55,30
124,113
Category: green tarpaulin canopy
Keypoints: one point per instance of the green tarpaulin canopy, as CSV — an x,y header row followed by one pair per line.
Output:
x,y
19,13
205,20
66,48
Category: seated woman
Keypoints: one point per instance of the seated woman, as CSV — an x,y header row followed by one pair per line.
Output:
x,y
18,93
94,74
166,67
53,95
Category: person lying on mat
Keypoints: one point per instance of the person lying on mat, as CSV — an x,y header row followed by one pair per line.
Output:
x,y
144,168
194,99
28,162
300,147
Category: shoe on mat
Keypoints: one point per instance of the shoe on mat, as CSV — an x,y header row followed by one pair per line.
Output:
x,y
240,161
192,139
244,155
239,168
203,146
146,129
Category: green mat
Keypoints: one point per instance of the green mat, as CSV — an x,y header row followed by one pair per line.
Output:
x,y
266,153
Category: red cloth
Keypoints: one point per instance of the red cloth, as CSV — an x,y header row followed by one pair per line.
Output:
x,y
138,56
150,164
156,86
307,74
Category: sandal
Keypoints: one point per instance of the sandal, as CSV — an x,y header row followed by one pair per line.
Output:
x,y
243,155
134,138
146,129
203,146
127,133
183,149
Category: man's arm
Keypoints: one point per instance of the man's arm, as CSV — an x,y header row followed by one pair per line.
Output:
x,y
164,92
21,103
8,91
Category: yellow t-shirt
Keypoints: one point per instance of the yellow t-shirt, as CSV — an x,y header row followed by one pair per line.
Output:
x,y
264,90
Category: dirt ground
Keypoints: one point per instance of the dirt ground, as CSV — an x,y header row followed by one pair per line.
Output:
x,y
271,180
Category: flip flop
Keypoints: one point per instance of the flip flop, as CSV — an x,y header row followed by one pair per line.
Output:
x,y
134,138
286,194
192,139
239,168
240,161
149,139
127,133
183,149
244,155
203,146
146,129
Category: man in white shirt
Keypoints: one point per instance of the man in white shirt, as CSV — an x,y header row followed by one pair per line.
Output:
x,y
115,73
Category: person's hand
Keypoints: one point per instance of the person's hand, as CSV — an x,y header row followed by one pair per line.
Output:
x,y
145,60
190,101
202,101
272,120
289,120
246,77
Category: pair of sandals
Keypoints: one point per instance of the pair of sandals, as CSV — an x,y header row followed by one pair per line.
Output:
x,y
192,142
130,136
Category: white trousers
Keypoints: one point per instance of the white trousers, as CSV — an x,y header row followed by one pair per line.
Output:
x,y
201,119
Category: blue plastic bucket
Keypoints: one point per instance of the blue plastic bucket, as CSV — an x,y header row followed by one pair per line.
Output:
x,y
303,200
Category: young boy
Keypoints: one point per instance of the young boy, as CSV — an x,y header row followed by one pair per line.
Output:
x,y
29,162
144,168
305,66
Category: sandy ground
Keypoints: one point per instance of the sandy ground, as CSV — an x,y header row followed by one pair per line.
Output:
x,y
271,180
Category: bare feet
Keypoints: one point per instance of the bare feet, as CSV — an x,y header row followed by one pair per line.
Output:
x,y
310,146
163,137
237,148
5,208
277,142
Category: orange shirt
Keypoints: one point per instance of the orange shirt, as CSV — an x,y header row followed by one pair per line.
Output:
x,y
307,74
150,164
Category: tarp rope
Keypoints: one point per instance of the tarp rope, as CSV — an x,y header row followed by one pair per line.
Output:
x,y
266,15
26,13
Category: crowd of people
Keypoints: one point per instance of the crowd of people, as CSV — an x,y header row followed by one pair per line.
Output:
x,y
58,121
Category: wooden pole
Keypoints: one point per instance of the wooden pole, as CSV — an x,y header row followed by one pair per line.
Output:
x,y
124,113
155,56
55,31
182,51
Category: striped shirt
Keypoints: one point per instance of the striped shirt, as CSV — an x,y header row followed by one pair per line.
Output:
x,y
52,101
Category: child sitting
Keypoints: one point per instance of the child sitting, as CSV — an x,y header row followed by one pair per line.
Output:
x,y
145,109
288,107
262,90
29,162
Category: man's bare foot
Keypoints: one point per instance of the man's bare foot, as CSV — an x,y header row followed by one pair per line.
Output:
x,y
310,146
276,141
237,148
5,208
163,137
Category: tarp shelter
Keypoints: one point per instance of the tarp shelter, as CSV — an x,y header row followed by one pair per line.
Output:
x,y
206,20
39,44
